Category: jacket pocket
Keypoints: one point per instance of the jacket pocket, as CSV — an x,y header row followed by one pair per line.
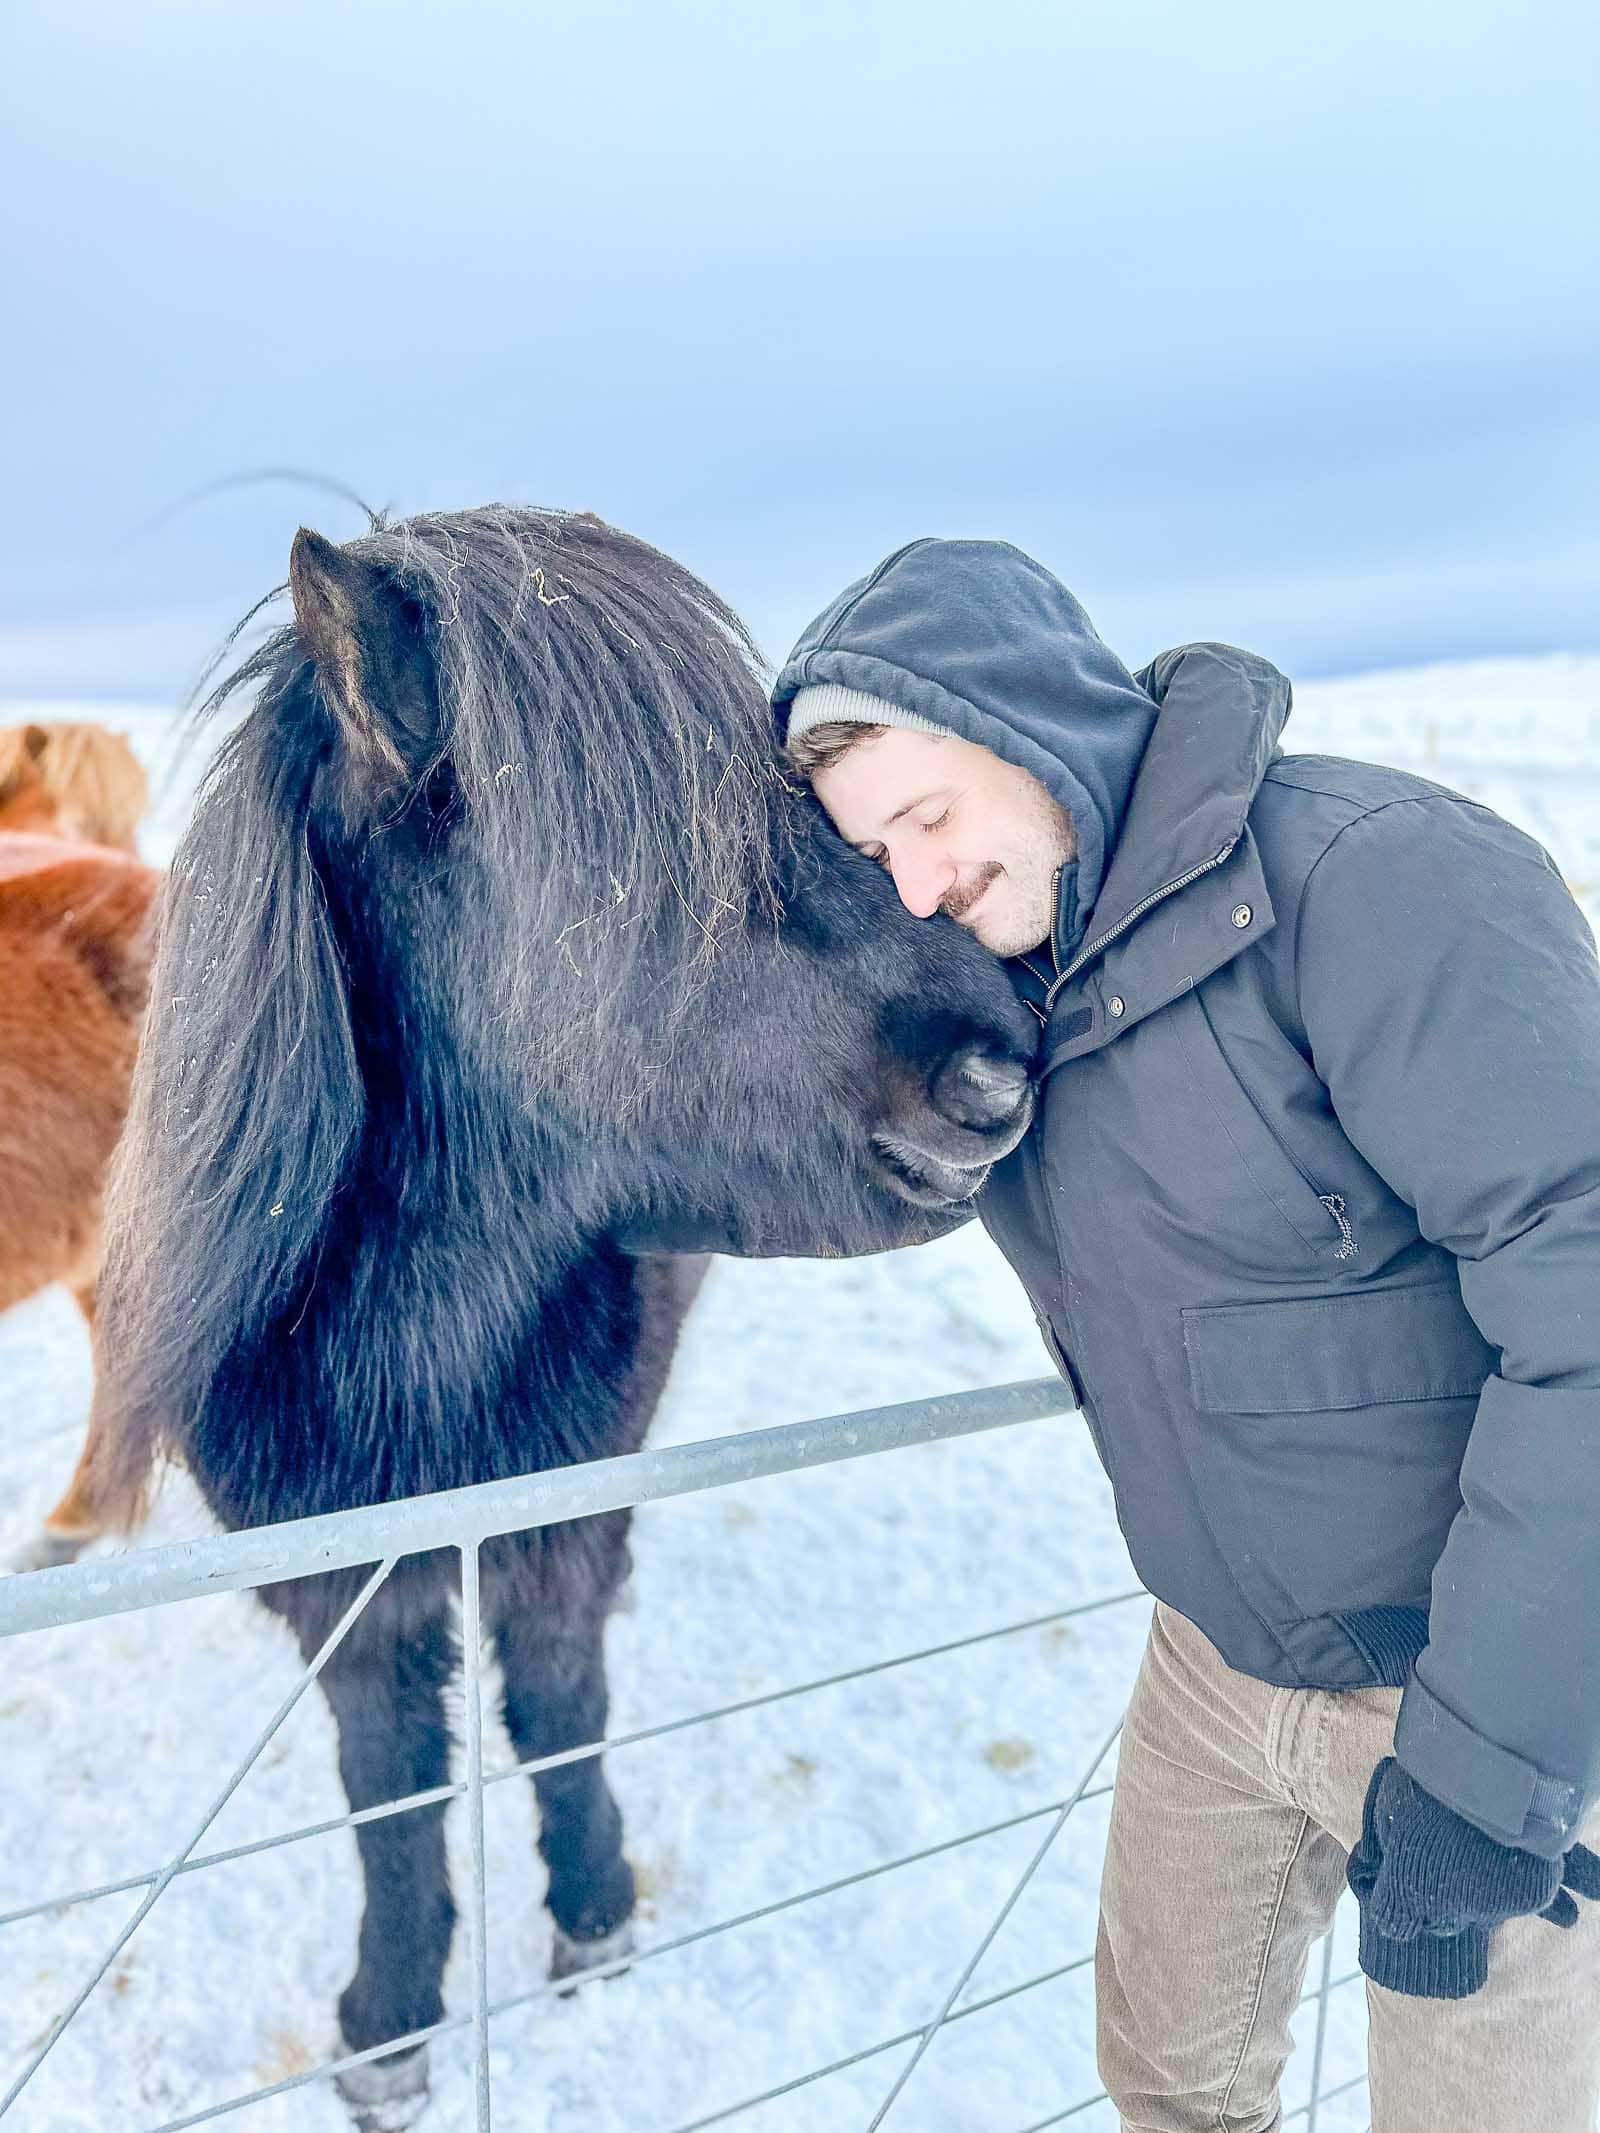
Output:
x,y
1322,1354
1324,1442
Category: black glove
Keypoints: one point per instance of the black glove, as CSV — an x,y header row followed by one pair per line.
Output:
x,y
1432,1888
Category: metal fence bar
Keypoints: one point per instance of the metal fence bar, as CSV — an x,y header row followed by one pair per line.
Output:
x,y
983,1946
535,1764
1318,1992
164,1880
1073,2110
637,1956
344,1540
1350,1977
478,1911
630,1961
463,1519
352,1820
330,2067
1341,2088
1323,1990
886,2044
643,1955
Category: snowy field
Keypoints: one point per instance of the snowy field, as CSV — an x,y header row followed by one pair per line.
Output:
x,y
114,1735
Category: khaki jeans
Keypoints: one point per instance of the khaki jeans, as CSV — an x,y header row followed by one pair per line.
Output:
x,y
1236,1806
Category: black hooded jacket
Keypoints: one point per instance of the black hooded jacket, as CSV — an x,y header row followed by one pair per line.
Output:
x,y
1310,1213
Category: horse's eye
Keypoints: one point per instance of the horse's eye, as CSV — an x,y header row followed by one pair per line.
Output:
x,y
441,792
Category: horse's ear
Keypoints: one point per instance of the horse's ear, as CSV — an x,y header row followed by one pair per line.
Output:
x,y
20,750
367,642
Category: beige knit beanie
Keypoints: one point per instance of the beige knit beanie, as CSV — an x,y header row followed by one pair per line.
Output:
x,y
827,703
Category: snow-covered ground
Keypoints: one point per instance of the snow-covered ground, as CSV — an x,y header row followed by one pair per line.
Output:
x,y
114,1735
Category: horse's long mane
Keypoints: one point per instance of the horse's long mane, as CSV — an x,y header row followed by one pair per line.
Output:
x,y
606,734
607,730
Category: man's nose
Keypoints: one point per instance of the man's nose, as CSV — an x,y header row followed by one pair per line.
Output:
x,y
922,880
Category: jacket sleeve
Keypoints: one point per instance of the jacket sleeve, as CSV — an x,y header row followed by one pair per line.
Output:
x,y
1451,999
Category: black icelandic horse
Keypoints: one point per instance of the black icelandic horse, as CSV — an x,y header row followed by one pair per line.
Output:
x,y
502,959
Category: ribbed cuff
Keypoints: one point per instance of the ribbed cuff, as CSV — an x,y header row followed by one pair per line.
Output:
x,y
1390,1639
1430,1967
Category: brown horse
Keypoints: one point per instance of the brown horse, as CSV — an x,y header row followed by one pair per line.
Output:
x,y
76,781
74,975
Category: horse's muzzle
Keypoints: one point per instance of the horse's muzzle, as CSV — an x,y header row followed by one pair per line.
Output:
x,y
978,1106
988,1093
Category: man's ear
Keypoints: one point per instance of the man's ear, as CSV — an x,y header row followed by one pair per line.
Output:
x,y
368,644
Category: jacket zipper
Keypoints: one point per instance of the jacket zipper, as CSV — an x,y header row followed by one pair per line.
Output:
x,y
1157,896
1334,1203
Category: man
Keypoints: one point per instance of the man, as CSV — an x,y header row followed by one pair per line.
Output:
x,y
1310,1219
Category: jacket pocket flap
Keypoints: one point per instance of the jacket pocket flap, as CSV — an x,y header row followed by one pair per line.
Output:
x,y
1314,1354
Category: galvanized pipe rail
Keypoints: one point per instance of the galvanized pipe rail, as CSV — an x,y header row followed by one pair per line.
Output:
x,y
347,1540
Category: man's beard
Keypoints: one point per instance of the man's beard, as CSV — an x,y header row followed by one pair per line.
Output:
x,y
963,896
1023,909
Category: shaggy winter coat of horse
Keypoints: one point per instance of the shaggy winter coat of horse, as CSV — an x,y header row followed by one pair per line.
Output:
x,y
500,950
74,970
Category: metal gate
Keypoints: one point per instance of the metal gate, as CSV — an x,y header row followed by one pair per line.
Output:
x,y
463,1519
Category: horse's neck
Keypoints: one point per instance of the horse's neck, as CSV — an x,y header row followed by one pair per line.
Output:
x,y
450,1168
441,1337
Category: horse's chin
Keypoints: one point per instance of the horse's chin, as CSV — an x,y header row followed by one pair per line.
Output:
x,y
923,1179
911,1209
679,1231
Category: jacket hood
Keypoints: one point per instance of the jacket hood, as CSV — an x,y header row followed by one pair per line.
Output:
x,y
982,640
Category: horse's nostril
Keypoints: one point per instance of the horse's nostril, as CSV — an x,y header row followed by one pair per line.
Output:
x,y
982,1088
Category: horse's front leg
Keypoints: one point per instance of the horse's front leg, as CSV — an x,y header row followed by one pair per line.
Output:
x,y
83,1513
386,1687
549,1624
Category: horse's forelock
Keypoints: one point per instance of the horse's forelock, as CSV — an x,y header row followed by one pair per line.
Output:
x,y
610,742
611,746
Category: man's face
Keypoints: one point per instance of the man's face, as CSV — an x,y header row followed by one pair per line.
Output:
x,y
960,830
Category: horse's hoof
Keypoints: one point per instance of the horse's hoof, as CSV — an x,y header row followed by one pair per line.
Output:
x,y
48,1551
570,1959
386,2095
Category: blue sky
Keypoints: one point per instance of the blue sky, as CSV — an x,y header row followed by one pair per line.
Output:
x,y
1251,322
